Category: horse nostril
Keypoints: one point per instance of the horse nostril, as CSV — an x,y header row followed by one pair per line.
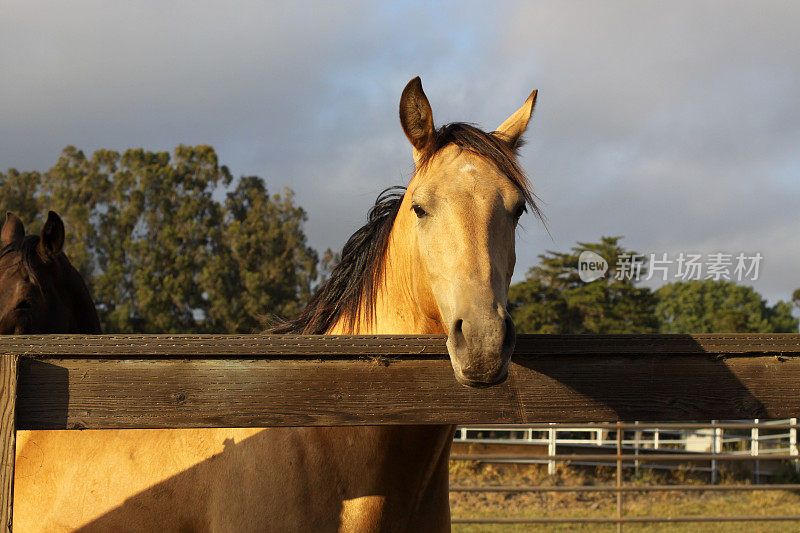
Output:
x,y
510,336
456,338
24,304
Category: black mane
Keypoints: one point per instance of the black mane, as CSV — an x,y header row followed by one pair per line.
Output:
x,y
351,290
356,278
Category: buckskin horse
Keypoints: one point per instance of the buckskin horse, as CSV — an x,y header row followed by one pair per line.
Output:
x,y
434,258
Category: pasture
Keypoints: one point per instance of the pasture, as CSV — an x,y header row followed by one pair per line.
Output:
x,y
602,504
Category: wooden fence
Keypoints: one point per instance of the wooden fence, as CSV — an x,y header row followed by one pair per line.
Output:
x,y
182,381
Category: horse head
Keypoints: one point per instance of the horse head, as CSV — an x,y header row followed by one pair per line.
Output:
x,y
40,291
462,207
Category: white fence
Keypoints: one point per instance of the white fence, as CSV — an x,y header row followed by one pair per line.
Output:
x,y
758,441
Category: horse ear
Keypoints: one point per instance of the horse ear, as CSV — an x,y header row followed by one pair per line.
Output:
x,y
512,129
52,238
416,116
13,230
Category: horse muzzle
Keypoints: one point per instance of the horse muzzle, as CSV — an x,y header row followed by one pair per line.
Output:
x,y
480,348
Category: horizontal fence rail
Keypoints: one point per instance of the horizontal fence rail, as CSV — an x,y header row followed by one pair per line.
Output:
x,y
178,381
625,519
355,345
664,426
642,457
636,488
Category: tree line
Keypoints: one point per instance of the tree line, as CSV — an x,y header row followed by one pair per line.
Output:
x,y
172,243
554,299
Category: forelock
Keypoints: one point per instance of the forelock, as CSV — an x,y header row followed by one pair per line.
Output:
x,y
485,145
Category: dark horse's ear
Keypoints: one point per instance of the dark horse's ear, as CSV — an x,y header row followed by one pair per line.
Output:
x,y
13,230
52,238
416,116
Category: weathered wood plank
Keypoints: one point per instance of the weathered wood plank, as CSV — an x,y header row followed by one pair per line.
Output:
x,y
200,346
160,392
8,396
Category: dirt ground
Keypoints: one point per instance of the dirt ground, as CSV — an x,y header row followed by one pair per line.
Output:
x,y
591,504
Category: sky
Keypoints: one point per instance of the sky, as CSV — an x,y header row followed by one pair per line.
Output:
x,y
675,124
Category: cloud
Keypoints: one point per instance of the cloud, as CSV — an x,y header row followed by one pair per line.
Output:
x,y
674,124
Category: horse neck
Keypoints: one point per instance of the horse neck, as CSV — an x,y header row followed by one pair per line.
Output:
x,y
84,311
398,306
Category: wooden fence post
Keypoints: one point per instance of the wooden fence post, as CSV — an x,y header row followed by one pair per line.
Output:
x,y
8,400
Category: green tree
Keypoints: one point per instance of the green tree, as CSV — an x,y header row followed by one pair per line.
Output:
x,y
18,192
553,298
264,256
162,246
79,188
708,306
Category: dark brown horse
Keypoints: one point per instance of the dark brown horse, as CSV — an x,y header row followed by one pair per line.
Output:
x,y
40,291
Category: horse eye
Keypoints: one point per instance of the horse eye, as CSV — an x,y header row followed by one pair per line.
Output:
x,y
419,211
518,212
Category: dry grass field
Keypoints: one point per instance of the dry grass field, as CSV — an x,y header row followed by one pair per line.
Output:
x,y
592,504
